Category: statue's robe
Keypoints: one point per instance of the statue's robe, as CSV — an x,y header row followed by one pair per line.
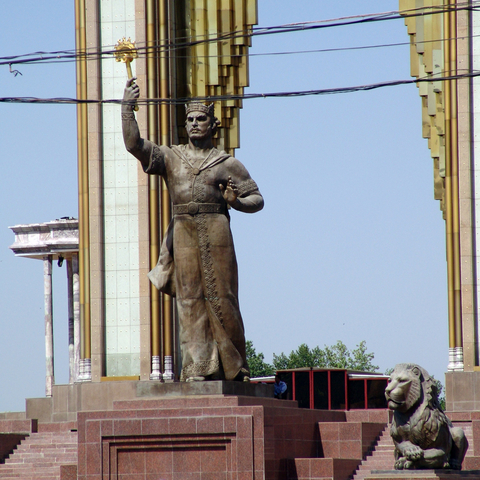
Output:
x,y
197,261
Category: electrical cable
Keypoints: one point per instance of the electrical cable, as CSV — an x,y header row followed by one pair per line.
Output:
x,y
293,52
177,101
71,55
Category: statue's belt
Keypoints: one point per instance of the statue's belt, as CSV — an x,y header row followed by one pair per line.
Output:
x,y
194,208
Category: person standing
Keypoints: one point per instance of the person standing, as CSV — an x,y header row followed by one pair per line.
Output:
x,y
280,388
197,262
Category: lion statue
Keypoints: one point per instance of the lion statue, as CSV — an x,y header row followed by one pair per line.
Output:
x,y
423,435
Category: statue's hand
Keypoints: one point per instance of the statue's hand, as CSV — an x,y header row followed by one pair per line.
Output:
x,y
230,193
131,93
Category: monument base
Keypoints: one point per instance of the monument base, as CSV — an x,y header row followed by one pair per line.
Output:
x,y
67,400
218,437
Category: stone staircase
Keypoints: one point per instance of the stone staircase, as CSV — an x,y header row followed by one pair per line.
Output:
x,y
380,458
343,445
41,454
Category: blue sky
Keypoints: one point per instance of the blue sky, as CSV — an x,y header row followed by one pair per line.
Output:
x,y
350,245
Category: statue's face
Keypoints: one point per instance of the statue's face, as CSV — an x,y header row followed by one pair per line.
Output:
x,y
199,125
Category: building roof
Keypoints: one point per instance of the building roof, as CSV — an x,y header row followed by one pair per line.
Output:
x,y
36,240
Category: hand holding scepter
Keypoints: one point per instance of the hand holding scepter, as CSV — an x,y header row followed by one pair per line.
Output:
x,y
125,53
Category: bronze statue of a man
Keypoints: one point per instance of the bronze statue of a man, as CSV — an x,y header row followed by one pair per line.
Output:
x,y
197,261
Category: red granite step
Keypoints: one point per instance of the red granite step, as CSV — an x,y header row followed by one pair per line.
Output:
x,y
40,456
381,458
316,468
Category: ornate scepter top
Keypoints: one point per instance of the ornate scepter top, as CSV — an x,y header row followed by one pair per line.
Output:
x,y
125,52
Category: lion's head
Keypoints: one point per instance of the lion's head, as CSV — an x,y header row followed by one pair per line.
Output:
x,y
409,385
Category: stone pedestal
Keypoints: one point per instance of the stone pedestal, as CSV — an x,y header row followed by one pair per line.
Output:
x,y
462,391
67,400
214,437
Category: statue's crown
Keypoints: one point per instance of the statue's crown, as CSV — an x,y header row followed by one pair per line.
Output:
x,y
200,107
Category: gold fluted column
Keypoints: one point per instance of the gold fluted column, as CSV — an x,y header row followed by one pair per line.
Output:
x,y
452,193
153,189
440,103
448,194
164,80
455,191
83,200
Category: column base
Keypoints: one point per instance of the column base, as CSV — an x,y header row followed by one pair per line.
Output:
x,y
459,359
85,374
168,375
455,359
156,373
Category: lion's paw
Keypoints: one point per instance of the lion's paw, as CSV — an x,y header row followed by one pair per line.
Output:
x,y
413,453
399,464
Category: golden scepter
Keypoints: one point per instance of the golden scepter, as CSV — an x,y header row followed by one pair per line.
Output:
x,y
125,52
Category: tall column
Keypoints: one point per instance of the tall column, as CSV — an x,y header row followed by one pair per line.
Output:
x,y
76,316
153,185
73,318
71,348
83,195
47,286
167,303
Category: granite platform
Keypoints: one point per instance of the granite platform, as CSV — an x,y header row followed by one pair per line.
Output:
x,y
67,400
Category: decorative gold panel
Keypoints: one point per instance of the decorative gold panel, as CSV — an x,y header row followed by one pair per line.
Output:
x,y
219,66
427,58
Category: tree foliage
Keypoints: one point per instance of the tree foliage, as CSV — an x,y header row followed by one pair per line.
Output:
x,y
441,394
335,356
256,362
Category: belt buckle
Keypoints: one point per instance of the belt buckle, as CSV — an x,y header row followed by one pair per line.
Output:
x,y
193,208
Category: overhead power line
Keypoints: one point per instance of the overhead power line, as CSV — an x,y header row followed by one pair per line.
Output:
x,y
250,96
72,55
291,52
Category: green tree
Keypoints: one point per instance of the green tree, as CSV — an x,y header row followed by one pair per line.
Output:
x,y
441,394
361,359
302,357
335,356
256,362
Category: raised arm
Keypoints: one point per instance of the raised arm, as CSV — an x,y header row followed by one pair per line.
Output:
x,y
134,143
